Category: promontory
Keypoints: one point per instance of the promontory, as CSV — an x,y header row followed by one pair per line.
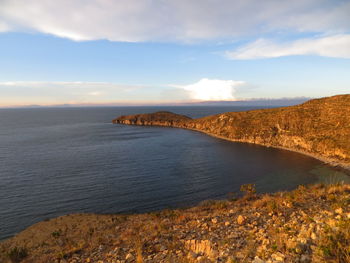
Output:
x,y
318,127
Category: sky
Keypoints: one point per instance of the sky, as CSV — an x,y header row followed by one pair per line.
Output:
x,y
141,52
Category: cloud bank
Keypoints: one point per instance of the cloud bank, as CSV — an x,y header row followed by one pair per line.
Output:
x,y
19,93
179,21
337,46
212,89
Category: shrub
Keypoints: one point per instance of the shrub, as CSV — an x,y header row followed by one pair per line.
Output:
x,y
248,189
335,243
17,254
56,234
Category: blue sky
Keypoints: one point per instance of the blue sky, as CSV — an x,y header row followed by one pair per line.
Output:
x,y
155,52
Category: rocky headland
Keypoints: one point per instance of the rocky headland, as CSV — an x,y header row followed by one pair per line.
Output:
x,y
319,127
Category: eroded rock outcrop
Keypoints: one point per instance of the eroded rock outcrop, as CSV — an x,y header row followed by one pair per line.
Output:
x,y
319,127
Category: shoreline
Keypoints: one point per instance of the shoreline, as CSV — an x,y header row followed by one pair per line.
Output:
x,y
328,161
319,128
332,162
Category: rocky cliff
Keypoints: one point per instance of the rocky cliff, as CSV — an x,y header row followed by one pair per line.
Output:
x,y
319,127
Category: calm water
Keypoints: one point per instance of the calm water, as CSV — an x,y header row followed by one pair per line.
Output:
x,y
70,160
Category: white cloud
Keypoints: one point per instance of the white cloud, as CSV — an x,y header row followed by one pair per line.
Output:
x,y
337,46
327,16
212,89
4,27
95,93
180,20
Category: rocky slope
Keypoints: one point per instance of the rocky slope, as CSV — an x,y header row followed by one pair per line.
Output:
x,y
309,224
319,127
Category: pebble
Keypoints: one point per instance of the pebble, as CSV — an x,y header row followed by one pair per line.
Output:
x,y
279,257
258,260
313,236
129,257
338,210
240,219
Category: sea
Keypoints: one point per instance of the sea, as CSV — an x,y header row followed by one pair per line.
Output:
x,y
57,161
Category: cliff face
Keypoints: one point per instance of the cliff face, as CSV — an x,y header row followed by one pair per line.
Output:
x,y
160,118
319,127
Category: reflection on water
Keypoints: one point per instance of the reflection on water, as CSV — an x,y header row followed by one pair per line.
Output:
x,y
327,175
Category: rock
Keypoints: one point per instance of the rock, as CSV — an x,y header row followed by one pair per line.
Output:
x,y
279,257
227,223
204,247
240,255
300,248
338,211
332,222
261,249
258,260
200,258
291,244
214,220
191,255
162,248
129,257
313,236
240,220
305,259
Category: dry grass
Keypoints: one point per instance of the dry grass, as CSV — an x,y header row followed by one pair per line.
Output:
x,y
153,233
334,244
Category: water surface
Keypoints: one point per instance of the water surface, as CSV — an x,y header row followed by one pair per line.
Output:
x,y
55,161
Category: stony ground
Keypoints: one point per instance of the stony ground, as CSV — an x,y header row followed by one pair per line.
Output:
x,y
309,224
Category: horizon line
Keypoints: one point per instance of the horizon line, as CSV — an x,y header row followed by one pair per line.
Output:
x,y
160,104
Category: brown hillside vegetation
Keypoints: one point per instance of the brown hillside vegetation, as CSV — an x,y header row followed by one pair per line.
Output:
x,y
319,127
309,224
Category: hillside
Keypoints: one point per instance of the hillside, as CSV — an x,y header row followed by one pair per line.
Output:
x,y
319,127
309,224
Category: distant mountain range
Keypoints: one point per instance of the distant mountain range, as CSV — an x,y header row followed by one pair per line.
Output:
x,y
261,102
254,102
